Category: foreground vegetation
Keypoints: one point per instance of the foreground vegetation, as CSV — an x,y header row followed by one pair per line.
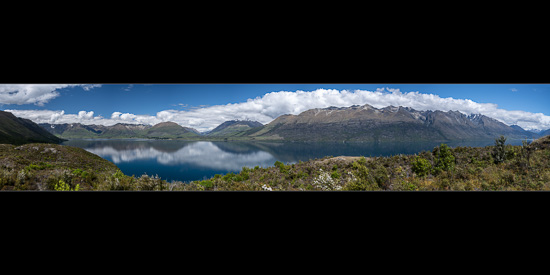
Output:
x,y
491,168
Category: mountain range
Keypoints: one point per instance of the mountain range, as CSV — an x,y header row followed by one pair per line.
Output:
x,y
163,130
355,123
367,123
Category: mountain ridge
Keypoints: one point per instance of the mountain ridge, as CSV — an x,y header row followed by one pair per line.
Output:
x,y
391,123
120,130
17,131
354,123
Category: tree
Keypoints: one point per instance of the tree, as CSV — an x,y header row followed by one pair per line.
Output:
x,y
499,151
444,159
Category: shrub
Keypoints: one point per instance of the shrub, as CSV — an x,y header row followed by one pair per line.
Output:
x,y
360,177
381,177
405,186
77,172
245,173
325,182
360,171
206,183
117,175
282,167
62,186
421,167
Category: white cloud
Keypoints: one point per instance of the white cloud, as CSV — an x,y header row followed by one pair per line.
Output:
x,y
83,115
37,94
56,116
128,88
268,107
88,87
116,115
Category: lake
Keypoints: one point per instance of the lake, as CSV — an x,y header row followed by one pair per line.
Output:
x,y
197,160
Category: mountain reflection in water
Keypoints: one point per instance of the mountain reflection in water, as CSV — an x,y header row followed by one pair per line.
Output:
x,y
196,160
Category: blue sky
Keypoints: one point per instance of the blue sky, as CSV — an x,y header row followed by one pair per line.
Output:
x,y
202,105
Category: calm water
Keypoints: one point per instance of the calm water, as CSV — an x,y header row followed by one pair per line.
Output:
x,y
196,160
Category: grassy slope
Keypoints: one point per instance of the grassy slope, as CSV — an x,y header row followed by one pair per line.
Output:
x,y
39,166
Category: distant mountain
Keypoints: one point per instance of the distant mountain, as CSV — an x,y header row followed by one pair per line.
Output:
x,y
544,133
367,123
15,130
170,130
528,134
74,130
77,130
233,128
120,130
355,123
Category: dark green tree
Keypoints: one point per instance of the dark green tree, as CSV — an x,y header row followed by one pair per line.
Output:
x,y
444,159
499,151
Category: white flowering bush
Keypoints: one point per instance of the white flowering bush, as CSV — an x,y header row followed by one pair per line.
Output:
x,y
325,182
267,188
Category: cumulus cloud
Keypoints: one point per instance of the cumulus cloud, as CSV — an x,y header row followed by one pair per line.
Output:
x,y
268,107
37,94
56,116
59,117
83,115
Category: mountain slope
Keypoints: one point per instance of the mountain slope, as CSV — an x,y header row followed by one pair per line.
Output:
x,y
15,130
366,123
234,128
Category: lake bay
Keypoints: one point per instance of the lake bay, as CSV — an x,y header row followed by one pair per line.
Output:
x,y
196,160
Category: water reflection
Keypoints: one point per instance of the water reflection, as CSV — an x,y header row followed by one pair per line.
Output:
x,y
201,153
194,160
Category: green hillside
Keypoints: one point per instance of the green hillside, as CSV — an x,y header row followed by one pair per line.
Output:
x,y
14,130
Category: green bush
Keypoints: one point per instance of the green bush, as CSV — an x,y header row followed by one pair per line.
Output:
x,y
282,167
206,183
361,174
245,173
117,175
381,176
360,171
421,167
62,186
